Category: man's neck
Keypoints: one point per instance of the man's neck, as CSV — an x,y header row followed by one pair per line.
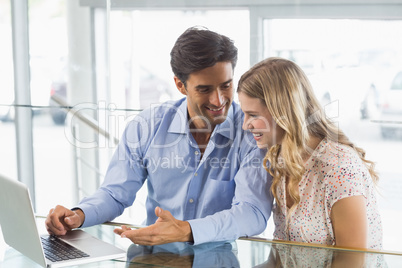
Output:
x,y
201,135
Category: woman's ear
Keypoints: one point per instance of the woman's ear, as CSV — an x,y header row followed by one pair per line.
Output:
x,y
180,85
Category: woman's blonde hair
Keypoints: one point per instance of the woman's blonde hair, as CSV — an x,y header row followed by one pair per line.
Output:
x,y
286,91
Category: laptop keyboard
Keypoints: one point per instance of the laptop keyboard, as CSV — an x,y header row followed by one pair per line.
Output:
x,y
58,250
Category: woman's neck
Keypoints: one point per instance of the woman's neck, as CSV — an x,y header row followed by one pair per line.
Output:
x,y
310,148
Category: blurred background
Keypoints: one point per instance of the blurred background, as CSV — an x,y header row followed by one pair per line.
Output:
x,y
104,61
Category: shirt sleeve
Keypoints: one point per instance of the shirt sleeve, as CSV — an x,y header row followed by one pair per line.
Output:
x,y
124,177
345,181
251,206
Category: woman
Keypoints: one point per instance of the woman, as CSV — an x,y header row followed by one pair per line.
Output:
x,y
324,188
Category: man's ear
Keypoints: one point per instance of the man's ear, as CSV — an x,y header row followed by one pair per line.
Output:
x,y
180,85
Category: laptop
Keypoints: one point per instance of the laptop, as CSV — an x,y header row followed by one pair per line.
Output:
x,y
20,231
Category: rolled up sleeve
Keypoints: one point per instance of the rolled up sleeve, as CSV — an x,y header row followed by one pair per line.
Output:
x,y
251,206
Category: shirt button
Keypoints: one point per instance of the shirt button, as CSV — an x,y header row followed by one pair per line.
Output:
x,y
195,174
197,152
191,200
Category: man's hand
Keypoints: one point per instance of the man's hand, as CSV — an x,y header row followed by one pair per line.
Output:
x,y
61,219
166,229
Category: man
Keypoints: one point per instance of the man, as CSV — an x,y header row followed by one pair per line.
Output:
x,y
204,174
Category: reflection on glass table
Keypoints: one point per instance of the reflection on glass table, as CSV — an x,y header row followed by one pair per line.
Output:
x,y
244,252
184,255
249,253
286,255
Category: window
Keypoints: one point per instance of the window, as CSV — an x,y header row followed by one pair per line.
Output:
x,y
7,111
351,65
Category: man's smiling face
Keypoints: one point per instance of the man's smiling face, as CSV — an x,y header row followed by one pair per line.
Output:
x,y
209,94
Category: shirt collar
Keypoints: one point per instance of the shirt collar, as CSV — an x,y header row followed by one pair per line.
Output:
x,y
179,120
179,123
227,128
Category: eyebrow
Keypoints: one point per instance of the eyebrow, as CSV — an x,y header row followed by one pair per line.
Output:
x,y
207,86
229,81
250,112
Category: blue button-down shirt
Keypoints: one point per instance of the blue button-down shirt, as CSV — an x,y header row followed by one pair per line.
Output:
x,y
223,195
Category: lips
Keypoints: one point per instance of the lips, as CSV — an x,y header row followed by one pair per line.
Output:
x,y
257,136
217,109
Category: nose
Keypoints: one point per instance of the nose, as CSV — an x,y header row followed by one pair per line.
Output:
x,y
217,98
246,123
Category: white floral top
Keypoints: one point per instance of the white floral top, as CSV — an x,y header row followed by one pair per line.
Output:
x,y
334,171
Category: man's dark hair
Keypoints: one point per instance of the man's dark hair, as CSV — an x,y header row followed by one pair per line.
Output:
x,y
199,48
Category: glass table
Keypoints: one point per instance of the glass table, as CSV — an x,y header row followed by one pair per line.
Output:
x,y
244,252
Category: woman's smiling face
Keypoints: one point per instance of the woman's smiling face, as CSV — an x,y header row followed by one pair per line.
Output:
x,y
259,122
